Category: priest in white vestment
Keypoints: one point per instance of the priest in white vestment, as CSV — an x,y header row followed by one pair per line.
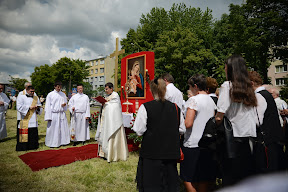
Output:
x,y
26,84
110,132
4,103
29,107
80,109
57,133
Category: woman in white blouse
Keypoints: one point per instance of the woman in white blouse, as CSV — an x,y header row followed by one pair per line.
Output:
x,y
237,101
198,170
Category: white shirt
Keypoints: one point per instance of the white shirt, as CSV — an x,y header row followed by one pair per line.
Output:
x,y
140,124
174,95
23,106
242,117
261,105
281,104
205,108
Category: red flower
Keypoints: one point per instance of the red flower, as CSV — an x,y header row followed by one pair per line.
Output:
x,y
133,119
94,113
97,111
97,117
89,121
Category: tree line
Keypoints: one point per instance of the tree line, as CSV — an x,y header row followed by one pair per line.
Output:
x,y
187,40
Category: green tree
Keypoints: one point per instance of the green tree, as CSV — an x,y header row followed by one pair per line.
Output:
x,y
17,83
70,71
88,90
259,31
66,70
180,52
43,79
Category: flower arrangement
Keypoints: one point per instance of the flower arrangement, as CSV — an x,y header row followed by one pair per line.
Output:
x,y
136,139
93,121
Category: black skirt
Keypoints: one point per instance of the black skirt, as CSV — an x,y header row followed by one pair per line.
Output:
x,y
155,175
32,140
240,167
198,165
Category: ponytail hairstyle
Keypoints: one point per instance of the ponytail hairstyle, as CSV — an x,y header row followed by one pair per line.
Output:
x,y
242,90
158,89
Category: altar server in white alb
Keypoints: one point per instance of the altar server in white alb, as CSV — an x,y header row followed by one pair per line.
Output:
x,y
110,132
4,103
28,106
57,126
172,94
80,110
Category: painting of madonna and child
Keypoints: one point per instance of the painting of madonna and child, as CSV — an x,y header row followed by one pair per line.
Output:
x,y
135,77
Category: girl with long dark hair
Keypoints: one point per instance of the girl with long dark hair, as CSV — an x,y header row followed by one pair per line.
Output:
x,y
237,101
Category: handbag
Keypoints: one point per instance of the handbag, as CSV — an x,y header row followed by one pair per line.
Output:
x,y
215,137
181,153
209,136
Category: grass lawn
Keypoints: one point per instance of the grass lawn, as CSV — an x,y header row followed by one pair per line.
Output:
x,y
89,175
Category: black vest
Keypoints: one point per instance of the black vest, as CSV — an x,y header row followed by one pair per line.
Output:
x,y
161,139
271,124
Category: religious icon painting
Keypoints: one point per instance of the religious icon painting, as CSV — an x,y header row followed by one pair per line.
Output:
x,y
135,78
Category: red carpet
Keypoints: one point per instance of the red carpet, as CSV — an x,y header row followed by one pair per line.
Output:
x,y
53,158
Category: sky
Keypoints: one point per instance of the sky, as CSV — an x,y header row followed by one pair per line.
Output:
x,y
39,32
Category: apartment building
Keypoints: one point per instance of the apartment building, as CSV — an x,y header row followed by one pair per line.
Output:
x,y
101,71
277,72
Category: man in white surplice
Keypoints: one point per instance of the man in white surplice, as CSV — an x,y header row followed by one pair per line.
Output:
x,y
172,94
80,109
57,126
110,132
4,103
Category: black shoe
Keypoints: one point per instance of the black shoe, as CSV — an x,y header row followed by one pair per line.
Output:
x,y
75,143
83,142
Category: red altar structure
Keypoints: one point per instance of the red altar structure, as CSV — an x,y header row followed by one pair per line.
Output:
x,y
145,61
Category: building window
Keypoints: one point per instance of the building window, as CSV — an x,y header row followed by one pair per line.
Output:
x,y
102,62
281,81
96,79
95,86
91,71
101,70
91,63
280,68
101,79
101,85
96,71
91,79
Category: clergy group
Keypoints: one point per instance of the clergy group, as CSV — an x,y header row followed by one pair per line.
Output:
x,y
110,131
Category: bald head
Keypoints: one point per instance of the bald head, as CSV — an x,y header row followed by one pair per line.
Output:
x,y
274,92
27,84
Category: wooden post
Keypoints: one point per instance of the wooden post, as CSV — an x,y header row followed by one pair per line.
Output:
x,y
115,54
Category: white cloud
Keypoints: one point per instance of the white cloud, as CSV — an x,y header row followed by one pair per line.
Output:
x,y
38,32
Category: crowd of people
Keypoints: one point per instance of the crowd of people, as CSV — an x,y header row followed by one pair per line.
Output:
x,y
169,126
254,113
